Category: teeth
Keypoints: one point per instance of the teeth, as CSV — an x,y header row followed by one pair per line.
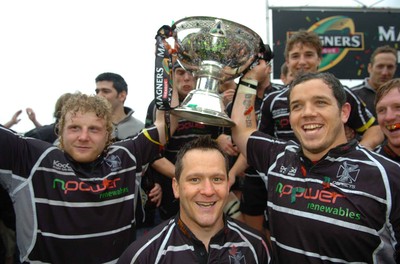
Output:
x,y
312,126
206,204
393,127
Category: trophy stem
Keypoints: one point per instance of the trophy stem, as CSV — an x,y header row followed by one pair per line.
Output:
x,y
207,83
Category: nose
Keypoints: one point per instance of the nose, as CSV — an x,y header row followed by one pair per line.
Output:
x,y
100,93
391,114
386,71
84,134
302,59
207,188
187,75
308,110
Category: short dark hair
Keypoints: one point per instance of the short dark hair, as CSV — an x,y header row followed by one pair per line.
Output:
x,y
304,37
382,49
118,82
201,143
329,79
385,88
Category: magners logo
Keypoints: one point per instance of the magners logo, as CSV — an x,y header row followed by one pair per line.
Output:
x,y
338,37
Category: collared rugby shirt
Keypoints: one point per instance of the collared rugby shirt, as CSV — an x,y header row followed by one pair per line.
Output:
x,y
173,242
344,208
69,212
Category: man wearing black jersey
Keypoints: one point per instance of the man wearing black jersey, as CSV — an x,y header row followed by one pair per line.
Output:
x,y
200,233
76,203
303,53
329,200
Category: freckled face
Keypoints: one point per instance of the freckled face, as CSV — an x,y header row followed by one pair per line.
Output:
x,y
84,136
388,113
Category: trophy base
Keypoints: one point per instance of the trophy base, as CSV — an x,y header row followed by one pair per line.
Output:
x,y
205,107
204,116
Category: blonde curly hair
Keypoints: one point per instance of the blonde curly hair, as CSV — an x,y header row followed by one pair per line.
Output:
x,y
84,103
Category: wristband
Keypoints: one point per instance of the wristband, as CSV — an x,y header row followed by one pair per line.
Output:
x,y
249,83
246,90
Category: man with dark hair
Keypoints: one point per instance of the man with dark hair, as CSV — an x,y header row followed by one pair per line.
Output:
x,y
114,88
325,194
200,232
183,82
303,53
381,68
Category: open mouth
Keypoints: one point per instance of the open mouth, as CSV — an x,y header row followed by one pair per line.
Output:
x,y
311,127
393,127
205,204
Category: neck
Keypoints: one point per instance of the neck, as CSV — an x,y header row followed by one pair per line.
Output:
x,y
394,149
262,87
371,84
118,114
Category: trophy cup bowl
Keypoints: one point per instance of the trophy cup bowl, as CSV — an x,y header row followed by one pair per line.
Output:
x,y
215,50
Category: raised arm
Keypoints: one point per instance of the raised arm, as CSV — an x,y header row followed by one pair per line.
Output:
x,y
243,112
32,116
160,121
165,167
14,120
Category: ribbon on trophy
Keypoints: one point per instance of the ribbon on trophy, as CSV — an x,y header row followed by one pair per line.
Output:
x,y
163,75
163,70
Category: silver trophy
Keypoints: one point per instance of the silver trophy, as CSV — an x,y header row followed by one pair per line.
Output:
x,y
215,50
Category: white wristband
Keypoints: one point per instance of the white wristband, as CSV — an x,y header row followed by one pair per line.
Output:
x,y
246,90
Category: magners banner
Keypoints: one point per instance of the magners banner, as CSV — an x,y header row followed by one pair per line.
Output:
x,y
348,37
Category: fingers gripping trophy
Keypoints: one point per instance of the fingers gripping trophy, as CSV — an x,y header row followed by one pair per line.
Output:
x,y
215,50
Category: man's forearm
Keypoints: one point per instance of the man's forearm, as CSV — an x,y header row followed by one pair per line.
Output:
x,y
372,137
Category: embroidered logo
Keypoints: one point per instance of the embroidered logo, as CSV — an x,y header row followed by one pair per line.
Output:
x,y
114,162
235,256
347,175
290,171
60,166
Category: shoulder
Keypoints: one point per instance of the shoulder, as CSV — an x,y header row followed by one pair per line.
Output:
x,y
255,240
243,229
359,86
270,99
144,249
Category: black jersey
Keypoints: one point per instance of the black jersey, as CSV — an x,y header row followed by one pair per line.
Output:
x,y
69,212
173,242
275,115
344,208
367,94
185,132
386,151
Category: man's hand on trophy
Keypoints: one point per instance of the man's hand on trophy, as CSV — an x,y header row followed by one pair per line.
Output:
x,y
257,72
164,32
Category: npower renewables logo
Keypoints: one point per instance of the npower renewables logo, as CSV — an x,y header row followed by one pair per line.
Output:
x,y
338,37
